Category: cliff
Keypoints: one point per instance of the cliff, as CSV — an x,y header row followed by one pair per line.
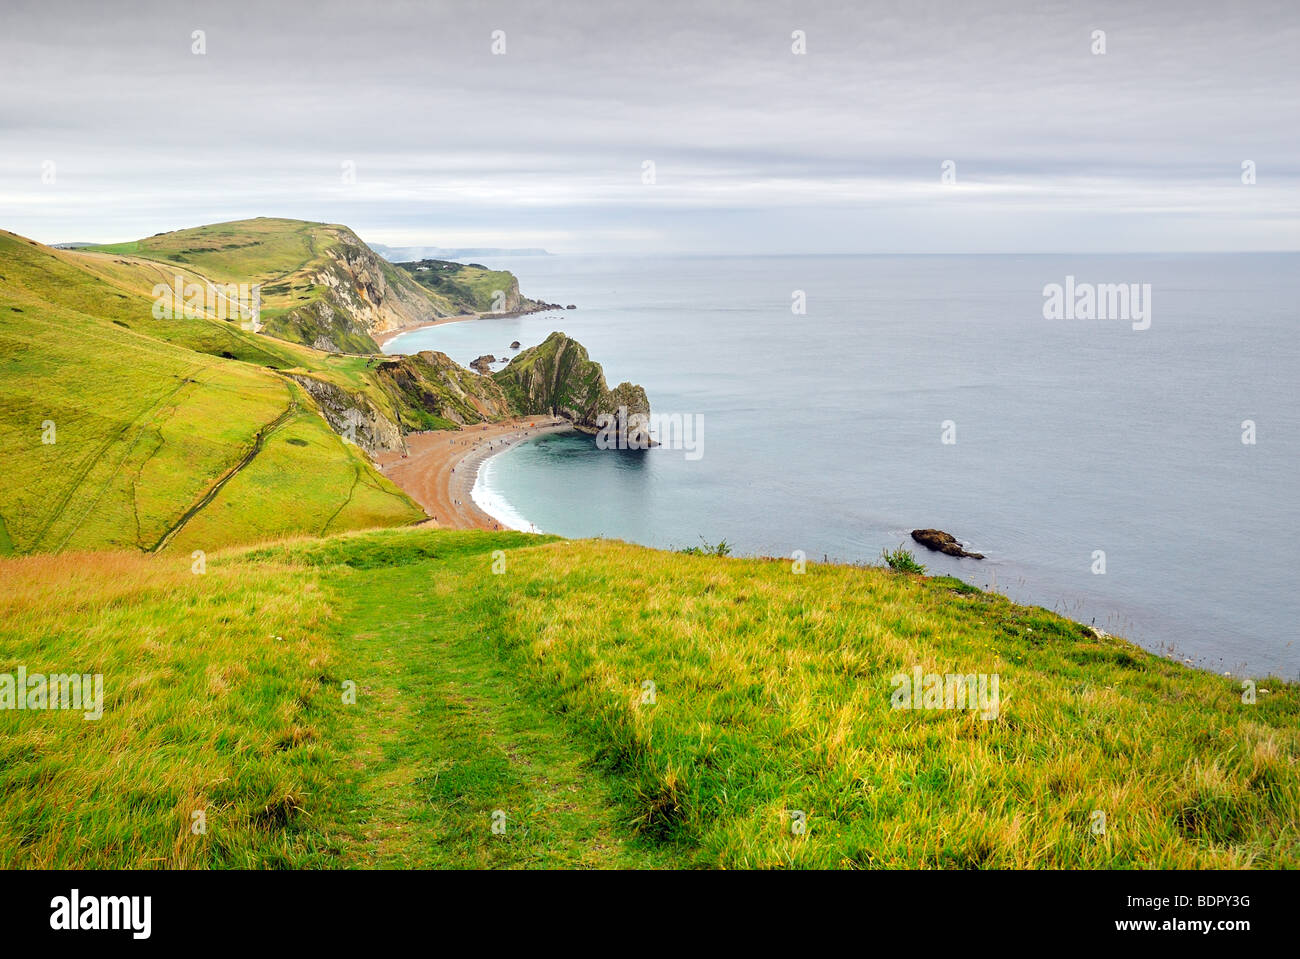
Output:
x,y
558,378
434,392
322,286
471,288
357,294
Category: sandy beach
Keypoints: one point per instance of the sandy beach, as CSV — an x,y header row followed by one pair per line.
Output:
x,y
439,470
389,335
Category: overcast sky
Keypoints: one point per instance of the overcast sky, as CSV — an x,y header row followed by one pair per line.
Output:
x,y
755,148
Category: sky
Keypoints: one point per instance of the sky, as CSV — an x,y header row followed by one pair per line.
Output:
x,y
653,127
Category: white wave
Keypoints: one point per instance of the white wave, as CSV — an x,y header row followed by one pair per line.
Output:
x,y
494,504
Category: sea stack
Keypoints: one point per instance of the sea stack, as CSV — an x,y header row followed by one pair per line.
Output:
x,y
557,378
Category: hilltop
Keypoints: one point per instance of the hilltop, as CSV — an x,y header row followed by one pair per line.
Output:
x,y
321,286
473,287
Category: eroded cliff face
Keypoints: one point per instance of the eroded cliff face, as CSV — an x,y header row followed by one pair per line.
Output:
x,y
363,295
352,415
430,391
436,393
558,378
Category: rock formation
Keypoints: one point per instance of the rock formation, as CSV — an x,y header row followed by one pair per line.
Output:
x,y
360,294
939,541
557,378
352,415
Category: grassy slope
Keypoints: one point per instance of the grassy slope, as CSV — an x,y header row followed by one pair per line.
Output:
x,y
262,250
145,425
284,255
521,692
464,287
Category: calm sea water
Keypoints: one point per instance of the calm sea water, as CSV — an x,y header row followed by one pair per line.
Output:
x,y
823,432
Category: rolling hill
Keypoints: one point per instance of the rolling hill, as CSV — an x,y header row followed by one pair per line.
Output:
x,y
321,286
121,429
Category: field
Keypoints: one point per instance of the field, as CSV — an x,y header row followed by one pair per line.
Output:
x,y
502,677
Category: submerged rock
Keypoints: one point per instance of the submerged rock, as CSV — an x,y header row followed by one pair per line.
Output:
x,y
941,542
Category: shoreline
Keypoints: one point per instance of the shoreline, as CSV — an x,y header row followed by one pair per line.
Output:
x,y
441,467
386,337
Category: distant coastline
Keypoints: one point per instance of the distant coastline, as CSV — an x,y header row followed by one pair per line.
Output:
x,y
387,337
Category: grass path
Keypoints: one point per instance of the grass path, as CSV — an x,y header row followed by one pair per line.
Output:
x,y
515,681
442,736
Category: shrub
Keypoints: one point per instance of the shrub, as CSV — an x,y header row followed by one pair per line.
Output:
x,y
722,549
902,561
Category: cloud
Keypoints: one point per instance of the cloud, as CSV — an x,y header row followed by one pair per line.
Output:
x,y
754,147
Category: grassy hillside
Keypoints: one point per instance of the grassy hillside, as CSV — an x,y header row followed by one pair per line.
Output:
x,y
196,432
521,690
470,287
320,285
153,418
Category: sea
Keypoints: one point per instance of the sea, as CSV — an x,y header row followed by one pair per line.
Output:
x,y
1132,465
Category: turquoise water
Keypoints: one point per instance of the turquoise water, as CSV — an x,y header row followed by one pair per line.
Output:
x,y
823,432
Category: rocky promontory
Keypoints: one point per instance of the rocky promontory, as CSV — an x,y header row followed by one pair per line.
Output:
x,y
557,378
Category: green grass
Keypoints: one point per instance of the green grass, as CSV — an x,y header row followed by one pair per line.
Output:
x,y
147,422
212,684
224,695
444,736
502,671
261,250
774,695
